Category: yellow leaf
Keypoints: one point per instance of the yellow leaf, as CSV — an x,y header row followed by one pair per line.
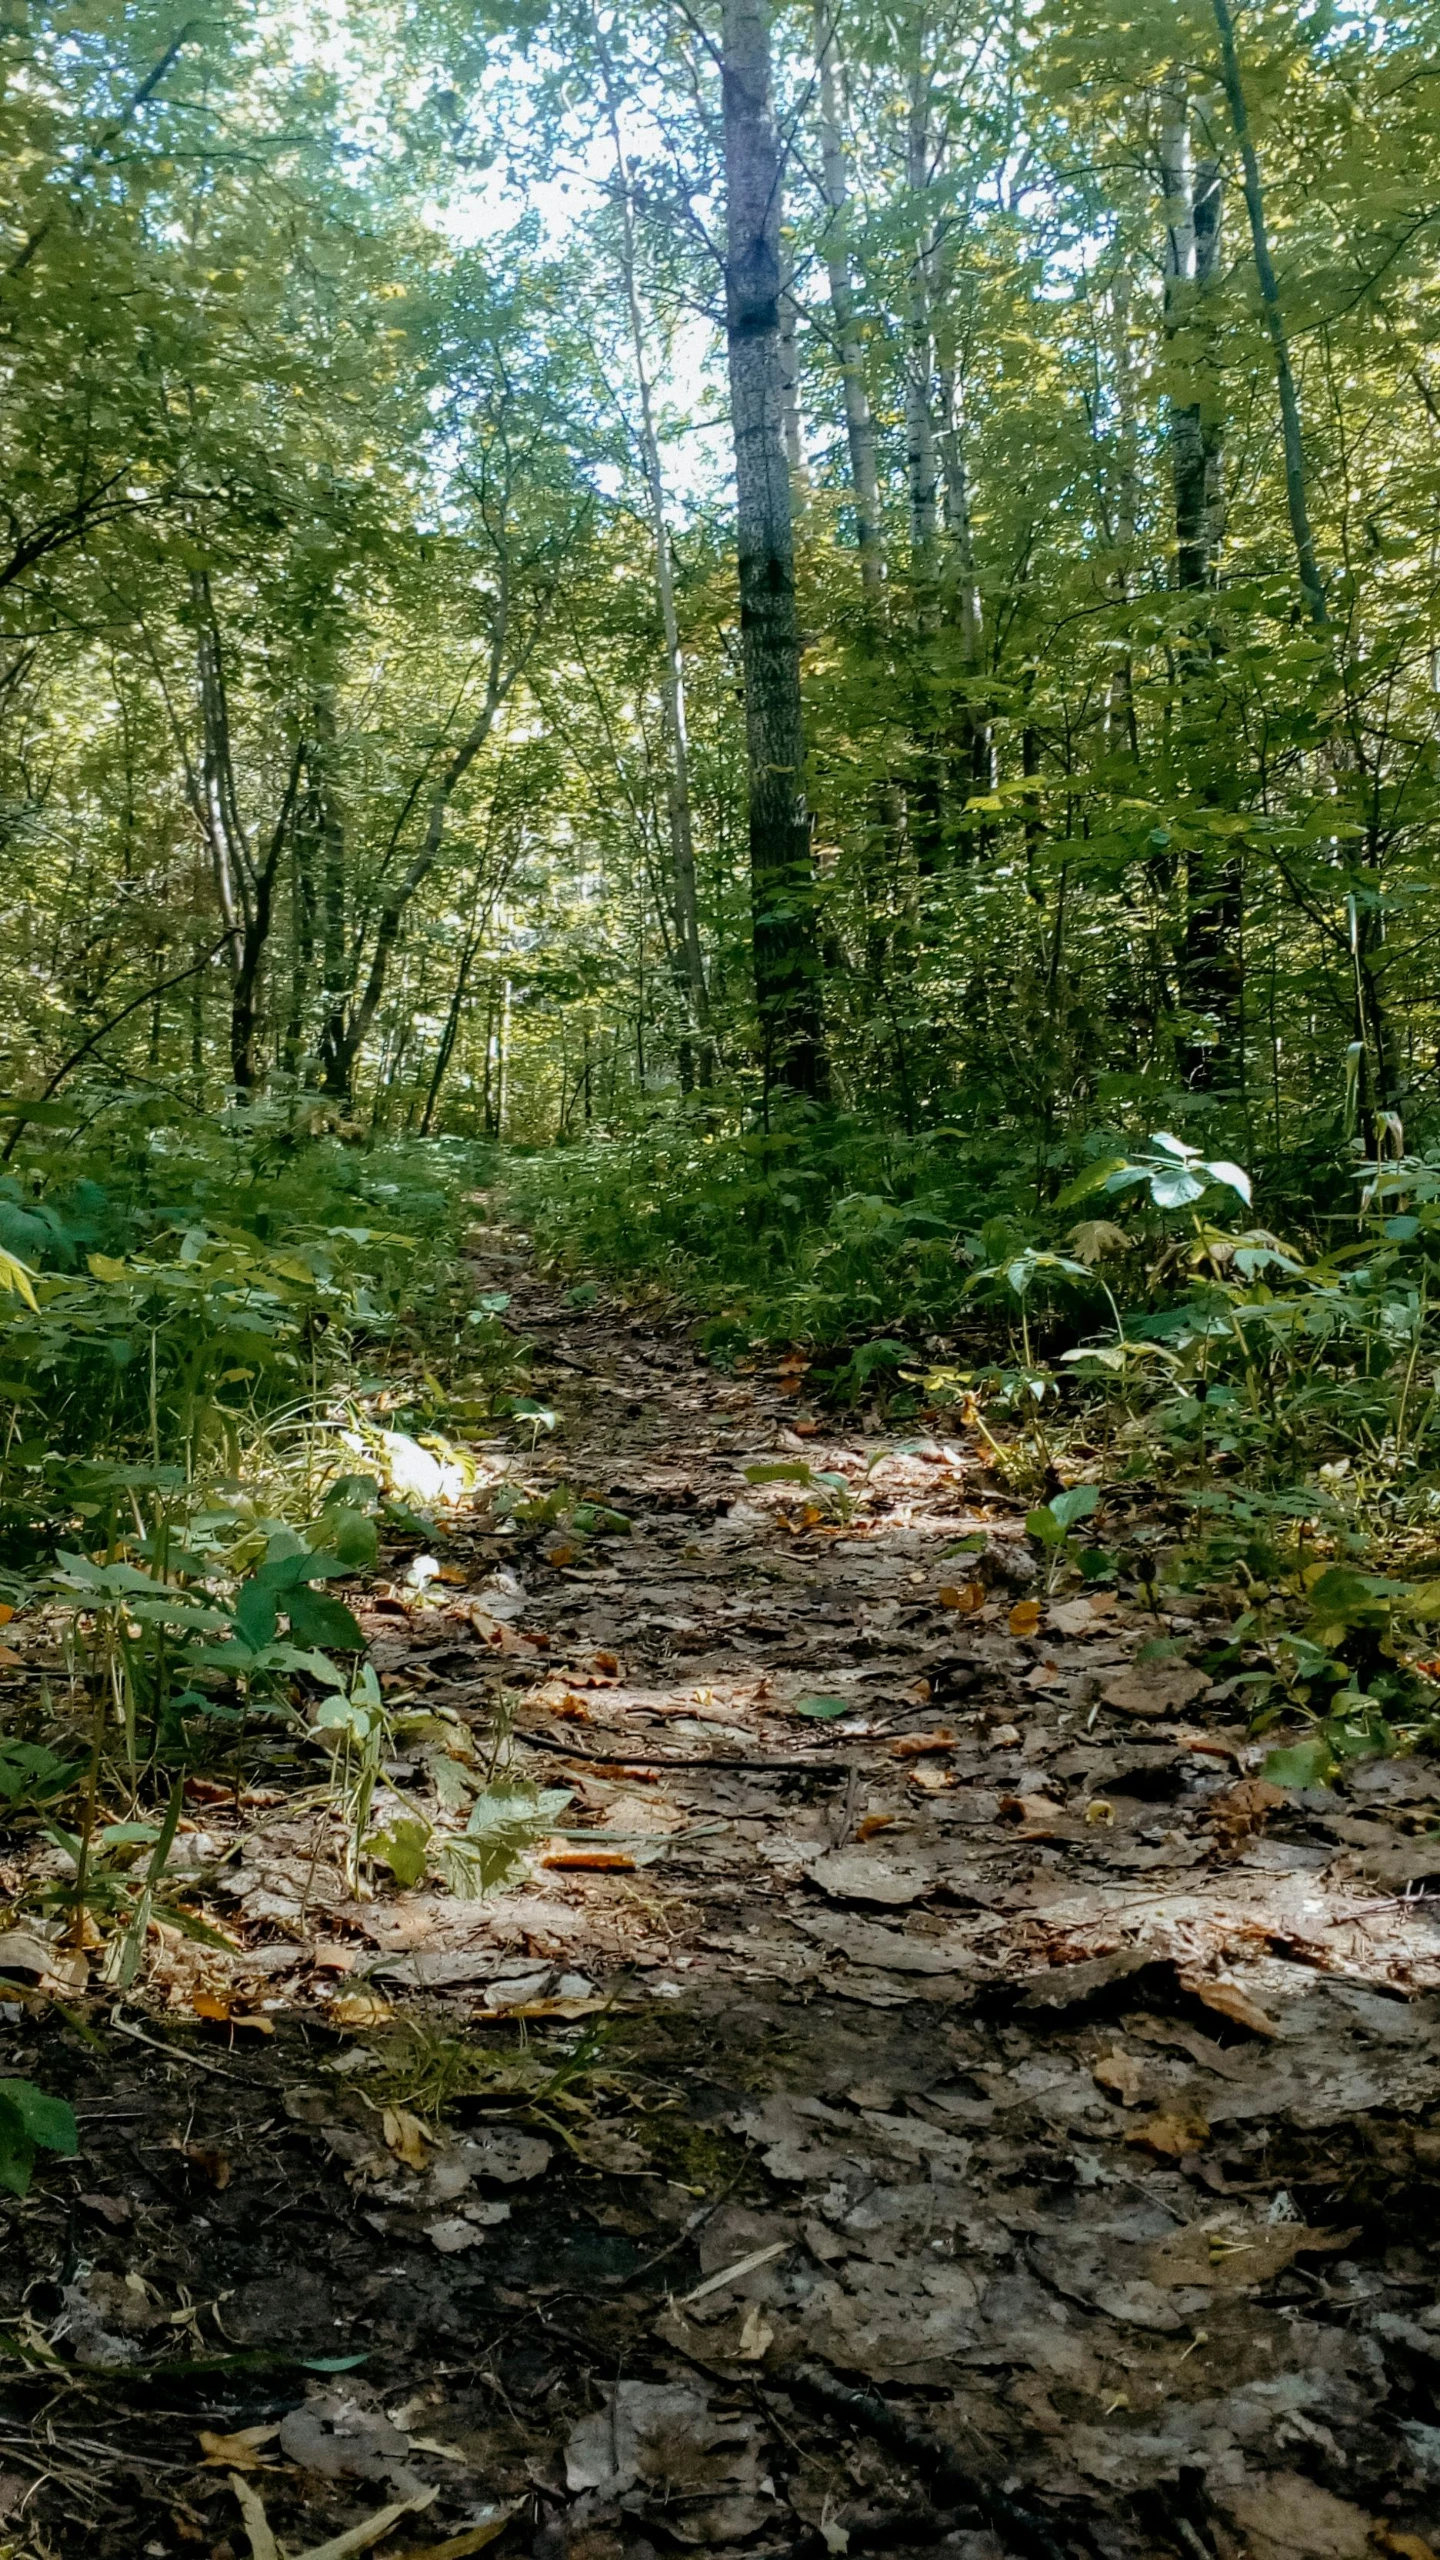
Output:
x,y
103,1266
967,1597
18,1279
360,2009
405,2136
239,2452
1024,1617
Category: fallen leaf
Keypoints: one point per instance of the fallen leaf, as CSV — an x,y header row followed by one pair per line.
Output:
x,y
10,1660
61,1968
1170,2137
1121,2076
1037,1813
1283,2516
238,2452
1155,1689
359,2009
214,2165
822,1709
933,1778
757,2334
1229,2001
1403,2546
890,1879
461,2546
1073,1617
912,1746
6,1613
1230,2261
218,2008
453,2232
966,1597
1046,1675
1244,1808
405,2135
870,1823
1024,1618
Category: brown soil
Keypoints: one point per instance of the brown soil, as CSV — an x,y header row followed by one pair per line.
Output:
x,y
1058,2108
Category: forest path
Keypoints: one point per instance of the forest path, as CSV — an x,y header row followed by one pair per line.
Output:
x,y
983,2117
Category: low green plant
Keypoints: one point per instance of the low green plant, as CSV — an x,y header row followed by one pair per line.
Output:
x,y
31,2122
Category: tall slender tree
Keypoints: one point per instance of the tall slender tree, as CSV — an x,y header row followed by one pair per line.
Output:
x,y
785,922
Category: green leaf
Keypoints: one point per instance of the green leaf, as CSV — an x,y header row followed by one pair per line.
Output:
x,y
822,1709
350,1537
49,2122
317,1618
17,2151
30,1772
402,1849
780,1471
1305,1764
1175,1190
255,1614
1042,1524
1095,1178
1076,1503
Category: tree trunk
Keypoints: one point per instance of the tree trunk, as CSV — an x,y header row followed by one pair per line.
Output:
x,y
927,790
849,345
672,677
1193,208
1296,495
1210,960
782,874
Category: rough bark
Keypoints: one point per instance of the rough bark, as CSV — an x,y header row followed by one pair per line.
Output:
x,y
672,676
783,894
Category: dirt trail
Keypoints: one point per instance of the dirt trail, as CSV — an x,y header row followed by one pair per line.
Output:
x,y
920,2093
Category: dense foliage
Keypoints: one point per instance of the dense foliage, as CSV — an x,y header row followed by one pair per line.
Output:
x,y
823,617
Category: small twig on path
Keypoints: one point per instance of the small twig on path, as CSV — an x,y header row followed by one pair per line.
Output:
x,y
172,2052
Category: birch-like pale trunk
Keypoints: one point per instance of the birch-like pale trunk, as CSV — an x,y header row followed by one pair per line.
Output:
x,y
1193,205
849,344
927,789
782,873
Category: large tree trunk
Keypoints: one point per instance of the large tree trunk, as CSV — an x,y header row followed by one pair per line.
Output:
x,y
782,873
694,989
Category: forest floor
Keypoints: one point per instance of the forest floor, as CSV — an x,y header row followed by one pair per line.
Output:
x,y
978,2115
